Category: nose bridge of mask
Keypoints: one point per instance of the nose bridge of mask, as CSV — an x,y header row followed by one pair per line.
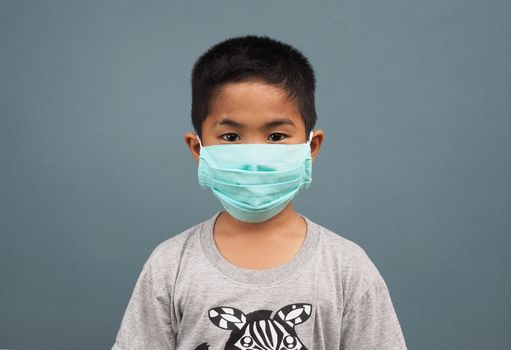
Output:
x,y
282,160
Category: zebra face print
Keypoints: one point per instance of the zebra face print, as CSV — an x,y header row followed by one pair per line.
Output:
x,y
258,330
265,334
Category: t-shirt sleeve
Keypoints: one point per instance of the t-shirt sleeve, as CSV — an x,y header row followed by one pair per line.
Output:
x,y
371,322
146,322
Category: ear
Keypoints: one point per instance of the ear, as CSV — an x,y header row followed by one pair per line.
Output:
x,y
316,141
191,141
226,317
293,314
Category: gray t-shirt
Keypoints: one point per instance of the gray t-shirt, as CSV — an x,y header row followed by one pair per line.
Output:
x,y
328,296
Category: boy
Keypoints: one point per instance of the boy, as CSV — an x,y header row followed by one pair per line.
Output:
x,y
257,275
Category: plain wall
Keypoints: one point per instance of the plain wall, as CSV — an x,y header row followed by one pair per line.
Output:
x,y
414,98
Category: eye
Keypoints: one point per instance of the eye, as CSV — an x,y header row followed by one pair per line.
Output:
x,y
282,136
246,341
289,342
230,135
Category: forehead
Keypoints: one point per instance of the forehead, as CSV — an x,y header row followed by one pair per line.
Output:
x,y
252,102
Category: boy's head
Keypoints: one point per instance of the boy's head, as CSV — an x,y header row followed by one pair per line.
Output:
x,y
244,87
258,93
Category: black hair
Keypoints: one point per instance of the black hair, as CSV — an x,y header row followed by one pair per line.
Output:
x,y
252,57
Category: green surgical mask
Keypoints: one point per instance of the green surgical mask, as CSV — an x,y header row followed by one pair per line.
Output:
x,y
255,182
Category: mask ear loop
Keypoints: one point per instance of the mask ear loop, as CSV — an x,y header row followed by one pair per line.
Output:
x,y
198,139
310,138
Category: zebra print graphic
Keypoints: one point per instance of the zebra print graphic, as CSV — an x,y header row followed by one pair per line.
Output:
x,y
258,330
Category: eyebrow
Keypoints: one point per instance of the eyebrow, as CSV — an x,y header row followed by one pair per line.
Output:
x,y
274,123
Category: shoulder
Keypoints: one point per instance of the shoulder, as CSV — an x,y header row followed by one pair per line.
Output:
x,y
165,258
162,266
170,250
354,262
356,270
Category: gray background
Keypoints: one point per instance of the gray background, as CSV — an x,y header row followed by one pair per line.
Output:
x,y
413,96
